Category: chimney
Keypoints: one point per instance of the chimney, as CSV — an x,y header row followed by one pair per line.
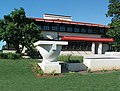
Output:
x,y
57,17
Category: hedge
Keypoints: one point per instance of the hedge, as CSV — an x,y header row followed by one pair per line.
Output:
x,y
70,58
9,56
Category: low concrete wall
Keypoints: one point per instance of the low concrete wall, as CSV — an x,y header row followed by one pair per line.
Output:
x,y
76,66
7,51
76,53
113,53
95,64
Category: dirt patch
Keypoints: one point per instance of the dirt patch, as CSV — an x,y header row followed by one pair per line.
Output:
x,y
97,72
49,76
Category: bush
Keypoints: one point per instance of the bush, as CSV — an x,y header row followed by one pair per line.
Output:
x,y
70,58
10,56
34,54
36,68
3,55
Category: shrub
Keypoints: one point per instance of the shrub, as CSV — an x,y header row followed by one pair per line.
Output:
x,y
3,55
10,56
34,54
53,73
70,58
37,69
17,56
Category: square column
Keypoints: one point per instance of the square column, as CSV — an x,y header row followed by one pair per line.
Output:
x,y
93,47
100,48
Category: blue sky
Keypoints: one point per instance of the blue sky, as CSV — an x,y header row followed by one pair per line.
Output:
x,y
92,11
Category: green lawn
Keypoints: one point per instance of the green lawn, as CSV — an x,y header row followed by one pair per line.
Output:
x,y
16,75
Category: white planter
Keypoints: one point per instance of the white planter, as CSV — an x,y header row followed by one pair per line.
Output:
x,y
49,67
95,64
115,54
76,66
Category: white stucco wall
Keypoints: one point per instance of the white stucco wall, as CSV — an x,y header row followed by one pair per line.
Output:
x,y
9,51
102,64
76,53
105,47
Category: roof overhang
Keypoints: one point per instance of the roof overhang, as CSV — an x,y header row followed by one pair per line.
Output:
x,y
90,39
69,22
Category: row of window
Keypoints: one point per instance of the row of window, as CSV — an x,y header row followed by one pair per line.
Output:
x,y
8,46
72,29
72,46
77,46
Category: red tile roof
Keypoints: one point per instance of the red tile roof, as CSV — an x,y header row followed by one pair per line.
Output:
x,y
70,22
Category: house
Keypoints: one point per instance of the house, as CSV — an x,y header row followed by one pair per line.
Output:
x,y
83,38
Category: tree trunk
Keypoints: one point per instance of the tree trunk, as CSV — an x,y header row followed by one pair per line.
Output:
x,y
17,49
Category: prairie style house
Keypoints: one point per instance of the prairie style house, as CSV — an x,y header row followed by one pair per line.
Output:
x,y
83,38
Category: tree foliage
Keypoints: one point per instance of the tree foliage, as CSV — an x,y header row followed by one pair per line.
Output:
x,y
114,13
17,29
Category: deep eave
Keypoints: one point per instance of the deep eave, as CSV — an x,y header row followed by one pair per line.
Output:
x,y
69,22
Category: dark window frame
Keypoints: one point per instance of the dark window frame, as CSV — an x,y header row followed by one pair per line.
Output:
x,y
62,28
77,28
77,46
72,26
70,29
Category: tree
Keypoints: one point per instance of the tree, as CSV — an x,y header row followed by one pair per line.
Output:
x,y
17,29
114,32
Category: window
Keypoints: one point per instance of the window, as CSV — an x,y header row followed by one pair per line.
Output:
x,y
96,30
46,28
40,27
76,29
83,30
69,29
62,28
54,28
90,30
77,46
8,46
101,30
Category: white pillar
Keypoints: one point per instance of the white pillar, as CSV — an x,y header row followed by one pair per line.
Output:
x,y
93,47
100,48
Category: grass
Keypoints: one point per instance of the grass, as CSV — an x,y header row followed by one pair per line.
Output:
x,y
16,75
